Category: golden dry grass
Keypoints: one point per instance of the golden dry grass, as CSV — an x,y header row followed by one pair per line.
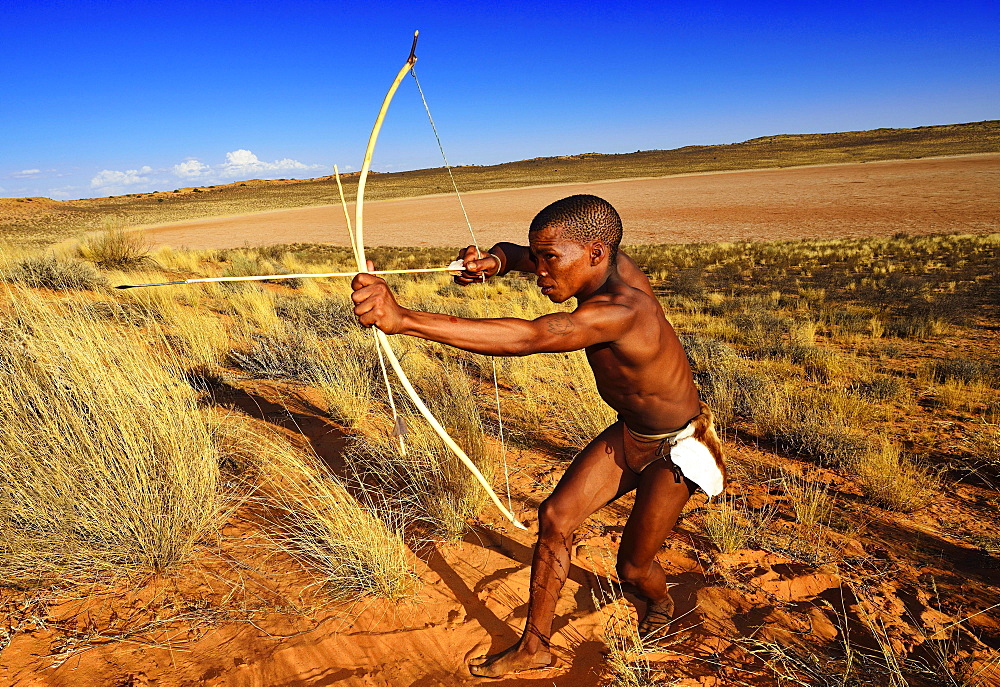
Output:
x,y
107,460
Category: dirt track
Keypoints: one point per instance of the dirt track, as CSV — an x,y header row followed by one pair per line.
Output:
x,y
934,195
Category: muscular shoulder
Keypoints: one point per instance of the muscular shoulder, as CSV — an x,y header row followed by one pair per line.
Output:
x,y
622,304
632,275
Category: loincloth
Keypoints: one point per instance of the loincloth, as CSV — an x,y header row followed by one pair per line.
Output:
x,y
694,452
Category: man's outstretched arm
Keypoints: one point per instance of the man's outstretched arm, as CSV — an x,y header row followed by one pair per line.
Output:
x,y
590,324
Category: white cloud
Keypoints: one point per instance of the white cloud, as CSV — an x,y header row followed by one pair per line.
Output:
x,y
25,173
191,168
239,164
243,163
110,179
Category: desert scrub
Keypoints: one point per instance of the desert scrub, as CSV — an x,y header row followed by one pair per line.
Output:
x,y
281,352
107,465
158,304
246,263
892,480
810,498
116,248
351,538
348,373
327,316
428,481
199,339
47,271
960,369
879,387
732,525
818,423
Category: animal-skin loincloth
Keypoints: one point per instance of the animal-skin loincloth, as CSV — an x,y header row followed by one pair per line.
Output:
x,y
694,452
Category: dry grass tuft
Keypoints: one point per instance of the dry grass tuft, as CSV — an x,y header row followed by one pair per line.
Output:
x,y
108,464
116,248
894,481
47,271
353,538
810,499
732,525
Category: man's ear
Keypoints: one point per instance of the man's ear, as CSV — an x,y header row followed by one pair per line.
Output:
x,y
598,253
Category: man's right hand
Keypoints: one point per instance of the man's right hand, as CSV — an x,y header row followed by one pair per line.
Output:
x,y
479,265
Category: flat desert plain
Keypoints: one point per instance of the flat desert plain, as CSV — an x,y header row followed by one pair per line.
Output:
x,y
922,196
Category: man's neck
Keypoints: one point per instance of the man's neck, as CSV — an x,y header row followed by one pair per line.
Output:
x,y
600,285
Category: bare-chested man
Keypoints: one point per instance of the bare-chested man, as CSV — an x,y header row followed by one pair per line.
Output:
x,y
663,444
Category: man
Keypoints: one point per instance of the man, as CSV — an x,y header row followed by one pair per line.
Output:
x,y
663,442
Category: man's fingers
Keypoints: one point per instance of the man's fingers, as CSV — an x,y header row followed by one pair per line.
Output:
x,y
371,292
363,279
467,253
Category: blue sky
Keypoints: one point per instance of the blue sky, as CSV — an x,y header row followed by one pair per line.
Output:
x,y
100,98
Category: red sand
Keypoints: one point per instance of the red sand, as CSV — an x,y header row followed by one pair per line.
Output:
x,y
924,196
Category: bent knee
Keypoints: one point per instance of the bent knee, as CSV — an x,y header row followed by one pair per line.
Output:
x,y
555,521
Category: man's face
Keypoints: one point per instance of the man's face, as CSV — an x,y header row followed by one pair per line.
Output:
x,y
561,265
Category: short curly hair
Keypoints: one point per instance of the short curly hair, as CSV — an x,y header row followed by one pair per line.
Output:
x,y
582,218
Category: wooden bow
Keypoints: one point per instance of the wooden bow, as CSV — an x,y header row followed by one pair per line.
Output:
x,y
383,340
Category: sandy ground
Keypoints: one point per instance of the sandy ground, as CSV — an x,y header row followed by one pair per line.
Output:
x,y
933,195
244,615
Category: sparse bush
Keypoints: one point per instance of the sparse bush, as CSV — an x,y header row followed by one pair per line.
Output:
x,y
984,448
284,352
689,283
732,525
352,537
920,325
350,377
810,499
960,369
107,464
822,365
813,423
880,388
428,476
894,481
50,272
116,248
330,316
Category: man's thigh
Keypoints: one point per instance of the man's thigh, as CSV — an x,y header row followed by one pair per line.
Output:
x,y
659,499
597,476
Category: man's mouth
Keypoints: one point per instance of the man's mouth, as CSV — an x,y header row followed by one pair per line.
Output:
x,y
546,288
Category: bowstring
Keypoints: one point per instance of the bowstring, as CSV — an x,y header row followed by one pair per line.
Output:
x,y
475,242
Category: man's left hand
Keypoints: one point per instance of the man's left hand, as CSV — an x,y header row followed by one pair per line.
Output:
x,y
374,303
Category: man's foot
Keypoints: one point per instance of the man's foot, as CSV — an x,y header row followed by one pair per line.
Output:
x,y
513,660
656,622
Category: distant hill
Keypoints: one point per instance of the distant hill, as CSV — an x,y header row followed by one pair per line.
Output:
x,y
41,220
